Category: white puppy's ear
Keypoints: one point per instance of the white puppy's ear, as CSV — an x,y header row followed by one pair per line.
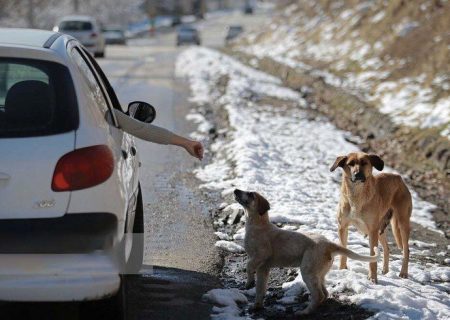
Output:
x,y
376,161
262,205
339,162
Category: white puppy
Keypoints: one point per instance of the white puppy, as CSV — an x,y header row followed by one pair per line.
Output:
x,y
268,246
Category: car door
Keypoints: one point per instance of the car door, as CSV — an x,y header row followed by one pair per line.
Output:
x,y
128,142
124,142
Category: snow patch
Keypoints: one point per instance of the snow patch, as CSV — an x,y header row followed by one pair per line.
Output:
x,y
228,299
229,246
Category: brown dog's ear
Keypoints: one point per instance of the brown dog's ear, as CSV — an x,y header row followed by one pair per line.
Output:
x,y
340,161
376,162
262,204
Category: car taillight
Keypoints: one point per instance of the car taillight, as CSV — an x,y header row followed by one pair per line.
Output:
x,y
93,35
83,168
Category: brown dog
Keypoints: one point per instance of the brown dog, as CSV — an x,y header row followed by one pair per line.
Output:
x,y
368,202
268,246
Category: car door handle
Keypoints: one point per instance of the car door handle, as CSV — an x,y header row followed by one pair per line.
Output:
x,y
133,151
124,154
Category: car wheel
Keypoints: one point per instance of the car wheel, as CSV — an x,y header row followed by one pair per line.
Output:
x,y
134,263
100,54
120,300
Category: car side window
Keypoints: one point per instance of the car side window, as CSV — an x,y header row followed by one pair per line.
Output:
x,y
95,92
111,93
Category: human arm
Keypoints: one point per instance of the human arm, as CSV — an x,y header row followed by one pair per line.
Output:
x,y
155,134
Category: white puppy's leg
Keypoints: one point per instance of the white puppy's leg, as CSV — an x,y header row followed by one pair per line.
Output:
x,y
251,269
315,289
262,276
324,290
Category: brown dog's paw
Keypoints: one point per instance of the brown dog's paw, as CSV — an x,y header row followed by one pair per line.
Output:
x,y
374,280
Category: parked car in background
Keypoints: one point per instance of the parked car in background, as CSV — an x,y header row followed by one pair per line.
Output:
x,y
69,185
188,35
176,21
233,32
248,9
114,35
85,29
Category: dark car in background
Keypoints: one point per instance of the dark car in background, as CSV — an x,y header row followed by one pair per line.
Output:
x,y
233,32
248,9
114,35
188,35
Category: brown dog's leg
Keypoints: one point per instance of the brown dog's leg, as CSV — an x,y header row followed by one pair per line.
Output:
x,y
262,276
373,242
385,245
404,231
385,220
396,232
343,235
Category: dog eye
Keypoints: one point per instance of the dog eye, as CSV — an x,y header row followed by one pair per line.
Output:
x,y
351,163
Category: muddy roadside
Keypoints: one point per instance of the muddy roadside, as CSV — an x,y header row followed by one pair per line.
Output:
x,y
422,155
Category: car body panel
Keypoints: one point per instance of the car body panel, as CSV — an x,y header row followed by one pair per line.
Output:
x,y
187,35
57,277
25,188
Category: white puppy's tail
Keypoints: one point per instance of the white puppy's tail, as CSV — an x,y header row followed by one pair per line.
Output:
x,y
339,250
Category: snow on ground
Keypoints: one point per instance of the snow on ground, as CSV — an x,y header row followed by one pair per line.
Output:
x,y
229,246
228,299
286,156
298,38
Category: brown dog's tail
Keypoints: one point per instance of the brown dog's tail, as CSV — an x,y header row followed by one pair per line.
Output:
x,y
339,250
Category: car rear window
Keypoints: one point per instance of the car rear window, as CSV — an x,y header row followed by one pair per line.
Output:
x,y
75,26
186,29
36,98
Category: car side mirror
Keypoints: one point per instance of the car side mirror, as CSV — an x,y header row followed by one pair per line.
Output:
x,y
141,111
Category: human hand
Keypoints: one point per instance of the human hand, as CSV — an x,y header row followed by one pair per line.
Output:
x,y
194,148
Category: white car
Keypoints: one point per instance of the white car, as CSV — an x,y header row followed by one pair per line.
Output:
x,y
85,29
71,213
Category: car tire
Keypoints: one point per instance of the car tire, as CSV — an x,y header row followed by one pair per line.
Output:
x,y
120,300
134,262
100,54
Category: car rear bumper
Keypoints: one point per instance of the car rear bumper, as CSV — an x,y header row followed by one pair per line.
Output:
x,y
57,277
71,233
